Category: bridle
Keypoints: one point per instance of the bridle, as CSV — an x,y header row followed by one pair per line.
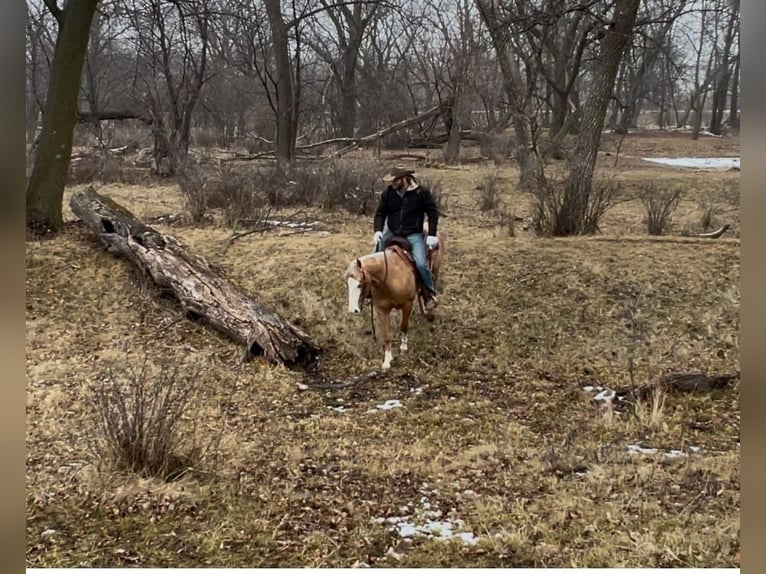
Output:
x,y
366,291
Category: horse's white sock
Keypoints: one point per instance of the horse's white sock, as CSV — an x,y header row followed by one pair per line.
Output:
x,y
387,358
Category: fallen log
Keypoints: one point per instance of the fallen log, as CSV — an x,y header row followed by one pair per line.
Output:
x,y
203,293
356,142
680,383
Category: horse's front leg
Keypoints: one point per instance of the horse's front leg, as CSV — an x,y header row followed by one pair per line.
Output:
x,y
385,327
406,313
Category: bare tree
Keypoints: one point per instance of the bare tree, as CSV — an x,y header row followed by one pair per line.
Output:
x,y
557,38
340,49
287,120
644,54
45,189
726,64
519,93
571,218
171,39
40,47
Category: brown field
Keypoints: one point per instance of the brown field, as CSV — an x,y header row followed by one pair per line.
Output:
x,y
495,431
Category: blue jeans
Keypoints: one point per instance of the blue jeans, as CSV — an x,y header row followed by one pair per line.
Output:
x,y
418,253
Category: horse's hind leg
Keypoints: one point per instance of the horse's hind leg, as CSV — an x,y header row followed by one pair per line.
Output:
x,y
406,313
385,324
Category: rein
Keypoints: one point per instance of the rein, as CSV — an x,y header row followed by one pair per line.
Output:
x,y
366,277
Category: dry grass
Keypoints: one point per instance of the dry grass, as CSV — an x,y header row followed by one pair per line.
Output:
x,y
495,428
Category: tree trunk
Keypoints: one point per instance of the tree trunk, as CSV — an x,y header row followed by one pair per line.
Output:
x,y
531,177
203,292
722,82
452,147
572,217
734,113
286,128
45,190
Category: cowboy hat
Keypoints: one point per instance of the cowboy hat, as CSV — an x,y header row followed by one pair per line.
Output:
x,y
396,173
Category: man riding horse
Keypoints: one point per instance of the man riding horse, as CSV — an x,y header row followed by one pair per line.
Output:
x,y
406,203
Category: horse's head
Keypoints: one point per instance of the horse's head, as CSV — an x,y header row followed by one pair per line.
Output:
x,y
358,285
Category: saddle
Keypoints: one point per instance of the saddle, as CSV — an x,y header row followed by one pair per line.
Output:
x,y
402,247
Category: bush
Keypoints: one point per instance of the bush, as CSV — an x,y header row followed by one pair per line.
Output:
x,y
139,418
489,193
547,207
193,186
245,193
659,205
710,208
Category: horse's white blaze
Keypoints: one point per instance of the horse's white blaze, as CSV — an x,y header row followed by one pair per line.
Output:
x,y
404,343
354,290
387,358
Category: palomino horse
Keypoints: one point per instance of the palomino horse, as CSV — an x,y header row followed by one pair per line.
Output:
x,y
388,278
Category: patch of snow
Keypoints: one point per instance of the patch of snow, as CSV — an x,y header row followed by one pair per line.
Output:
x,y
291,224
338,409
390,404
49,532
427,521
672,453
638,449
417,391
698,162
607,395
435,529
468,537
604,394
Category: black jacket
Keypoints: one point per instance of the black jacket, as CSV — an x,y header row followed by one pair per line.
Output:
x,y
406,214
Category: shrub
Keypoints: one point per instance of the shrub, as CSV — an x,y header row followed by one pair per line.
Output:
x,y
489,193
659,205
193,186
139,418
548,205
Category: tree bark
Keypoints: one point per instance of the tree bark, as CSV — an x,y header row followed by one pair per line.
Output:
x,y
45,191
734,113
203,292
572,217
286,121
722,82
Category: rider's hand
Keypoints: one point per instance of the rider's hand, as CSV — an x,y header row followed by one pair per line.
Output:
x,y
377,237
432,241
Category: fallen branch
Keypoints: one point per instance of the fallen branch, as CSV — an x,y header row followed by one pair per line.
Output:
x,y
96,117
202,291
264,224
389,130
715,234
681,383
